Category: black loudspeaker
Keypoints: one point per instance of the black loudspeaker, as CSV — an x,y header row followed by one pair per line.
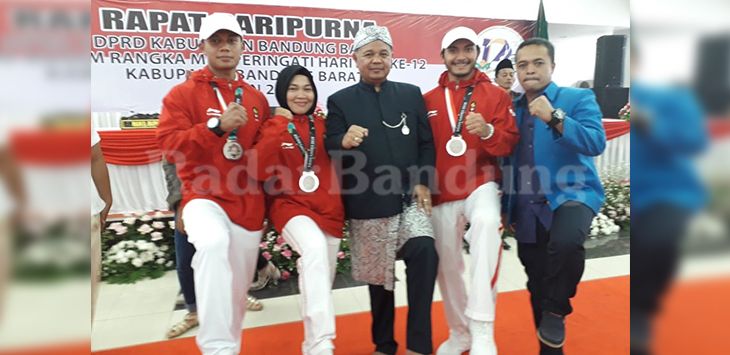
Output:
x,y
609,61
611,100
712,74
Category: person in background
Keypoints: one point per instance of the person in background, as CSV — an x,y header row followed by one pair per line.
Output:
x,y
103,189
504,76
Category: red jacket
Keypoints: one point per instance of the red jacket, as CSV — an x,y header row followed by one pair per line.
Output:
x,y
457,177
198,153
281,162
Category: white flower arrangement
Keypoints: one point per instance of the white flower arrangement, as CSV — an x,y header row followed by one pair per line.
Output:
x,y
118,228
145,228
156,236
615,214
139,257
603,225
136,248
141,247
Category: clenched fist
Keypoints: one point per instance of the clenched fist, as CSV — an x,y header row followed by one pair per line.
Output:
x,y
234,117
477,125
354,137
280,111
541,108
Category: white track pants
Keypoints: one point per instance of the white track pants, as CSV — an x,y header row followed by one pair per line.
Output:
x,y
316,267
223,265
482,210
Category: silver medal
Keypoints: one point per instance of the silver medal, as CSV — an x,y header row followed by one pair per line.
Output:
x,y
232,150
308,182
456,146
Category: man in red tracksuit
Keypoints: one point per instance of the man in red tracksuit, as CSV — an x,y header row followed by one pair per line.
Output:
x,y
473,124
207,126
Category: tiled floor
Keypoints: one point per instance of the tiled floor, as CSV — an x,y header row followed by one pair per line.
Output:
x,y
143,312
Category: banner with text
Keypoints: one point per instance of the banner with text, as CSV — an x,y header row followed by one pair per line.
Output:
x,y
140,50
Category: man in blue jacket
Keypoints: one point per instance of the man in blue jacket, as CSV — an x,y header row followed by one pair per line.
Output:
x,y
667,132
552,187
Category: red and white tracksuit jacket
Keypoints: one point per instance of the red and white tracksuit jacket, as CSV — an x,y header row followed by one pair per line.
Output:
x,y
481,155
198,153
279,159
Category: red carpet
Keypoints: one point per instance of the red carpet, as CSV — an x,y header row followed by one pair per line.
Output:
x,y
599,326
695,319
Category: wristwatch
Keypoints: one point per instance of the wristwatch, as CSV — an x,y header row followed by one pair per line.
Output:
x,y
491,132
558,116
214,124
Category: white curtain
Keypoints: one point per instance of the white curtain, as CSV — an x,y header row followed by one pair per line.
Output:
x,y
106,121
138,187
616,159
134,187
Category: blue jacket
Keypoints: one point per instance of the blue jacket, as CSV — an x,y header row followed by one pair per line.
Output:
x,y
564,162
668,129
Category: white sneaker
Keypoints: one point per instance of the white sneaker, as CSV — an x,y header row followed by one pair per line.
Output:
x,y
482,338
455,345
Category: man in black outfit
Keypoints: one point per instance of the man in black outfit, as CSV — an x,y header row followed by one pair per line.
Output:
x,y
378,131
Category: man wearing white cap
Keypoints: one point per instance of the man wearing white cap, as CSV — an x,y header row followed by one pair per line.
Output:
x,y
377,130
207,126
473,125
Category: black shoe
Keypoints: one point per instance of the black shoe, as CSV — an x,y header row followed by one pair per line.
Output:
x,y
640,332
546,350
505,246
552,330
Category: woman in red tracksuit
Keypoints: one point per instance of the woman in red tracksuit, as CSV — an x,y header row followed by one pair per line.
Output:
x,y
304,198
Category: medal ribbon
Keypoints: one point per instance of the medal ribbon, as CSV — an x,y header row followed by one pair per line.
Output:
x,y
239,99
308,154
462,110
